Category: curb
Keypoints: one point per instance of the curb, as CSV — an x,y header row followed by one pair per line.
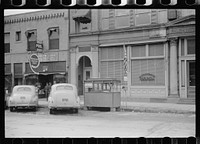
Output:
x,y
143,109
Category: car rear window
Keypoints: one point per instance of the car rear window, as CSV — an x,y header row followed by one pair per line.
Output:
x,y
27,89
64,87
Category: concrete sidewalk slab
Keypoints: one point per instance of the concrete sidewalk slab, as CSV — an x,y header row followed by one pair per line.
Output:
x,y
145,107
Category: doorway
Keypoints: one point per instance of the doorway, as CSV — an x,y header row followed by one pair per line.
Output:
x,y
43,79
84,72
191,79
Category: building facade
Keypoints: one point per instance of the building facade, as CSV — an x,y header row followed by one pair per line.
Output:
x,y
152,51
36,48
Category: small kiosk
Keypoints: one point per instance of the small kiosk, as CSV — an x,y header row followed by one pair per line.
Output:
x,y
102,92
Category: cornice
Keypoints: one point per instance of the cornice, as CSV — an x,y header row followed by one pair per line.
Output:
x,y
33,18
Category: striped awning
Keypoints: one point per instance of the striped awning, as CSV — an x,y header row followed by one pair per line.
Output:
x,y
82,16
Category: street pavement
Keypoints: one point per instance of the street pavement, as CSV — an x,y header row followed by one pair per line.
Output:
x,y
148,107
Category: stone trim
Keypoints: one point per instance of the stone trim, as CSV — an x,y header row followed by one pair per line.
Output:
x,y
34,18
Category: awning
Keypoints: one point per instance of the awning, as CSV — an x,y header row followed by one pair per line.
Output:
x,y
62,73
82,16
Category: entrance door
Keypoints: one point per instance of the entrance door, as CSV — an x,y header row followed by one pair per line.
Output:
x,y
191,79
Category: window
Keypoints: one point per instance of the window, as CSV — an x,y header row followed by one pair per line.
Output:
x,y
85,27
122,18
147,64
190,46
143,17
18,36
105,19
23,89
64,87
53,38
7,43
32,39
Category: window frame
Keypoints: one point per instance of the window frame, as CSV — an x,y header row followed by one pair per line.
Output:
x,y
137,13
49,39
127,14
7,43
34,31
18,36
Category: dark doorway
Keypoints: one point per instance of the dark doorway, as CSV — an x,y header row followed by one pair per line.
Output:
x,y
43,79
84,72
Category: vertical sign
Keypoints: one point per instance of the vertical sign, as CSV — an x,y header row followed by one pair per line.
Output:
x,y
125,63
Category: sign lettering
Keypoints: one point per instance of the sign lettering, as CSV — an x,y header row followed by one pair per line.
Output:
x,y
147,77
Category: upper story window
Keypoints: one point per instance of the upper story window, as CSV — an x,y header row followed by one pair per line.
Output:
x,y
32,40
53,38
83,20
122,18
105,19
18,36
7,43
142,17
188,46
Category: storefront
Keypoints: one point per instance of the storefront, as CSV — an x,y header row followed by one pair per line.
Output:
x,y
182,32
47,72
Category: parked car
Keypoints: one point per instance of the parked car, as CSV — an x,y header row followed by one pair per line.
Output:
x,y
23,96
63,96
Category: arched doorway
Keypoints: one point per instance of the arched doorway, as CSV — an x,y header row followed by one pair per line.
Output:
x,y
84,72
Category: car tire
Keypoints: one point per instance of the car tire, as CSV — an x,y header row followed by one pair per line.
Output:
x,y
11,109
76,110
51,111
35,109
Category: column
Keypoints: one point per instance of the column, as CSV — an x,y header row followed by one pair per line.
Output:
x,y
95,62
173,68
73,66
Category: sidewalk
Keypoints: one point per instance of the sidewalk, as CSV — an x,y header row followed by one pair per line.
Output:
x,y
145,107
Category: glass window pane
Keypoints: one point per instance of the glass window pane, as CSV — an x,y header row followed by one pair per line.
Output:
x,y
7,38
123,21
122,12
137,11
191,46
182,73
54,44
182,47
138,51
156,50
143,19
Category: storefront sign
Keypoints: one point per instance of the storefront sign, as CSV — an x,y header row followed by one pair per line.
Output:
x,y
147,77
34,61
47,57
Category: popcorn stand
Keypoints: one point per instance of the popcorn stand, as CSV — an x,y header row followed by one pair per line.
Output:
x,y
100,93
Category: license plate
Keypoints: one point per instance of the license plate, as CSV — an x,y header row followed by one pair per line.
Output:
x,y
65,100
22,98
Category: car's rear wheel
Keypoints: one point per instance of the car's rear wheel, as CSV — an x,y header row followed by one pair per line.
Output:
x,y
76,110
52,111
11,109
35,109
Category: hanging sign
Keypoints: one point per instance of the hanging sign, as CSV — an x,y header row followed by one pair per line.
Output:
x,y
34,62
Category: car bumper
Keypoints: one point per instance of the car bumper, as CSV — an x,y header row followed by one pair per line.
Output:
x,y
23,105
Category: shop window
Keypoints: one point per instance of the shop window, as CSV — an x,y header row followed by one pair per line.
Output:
x,y
7,43
190,46
105,19
53,38
147,64
122,18
143,17
138,51
32,38
18,36
156,50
